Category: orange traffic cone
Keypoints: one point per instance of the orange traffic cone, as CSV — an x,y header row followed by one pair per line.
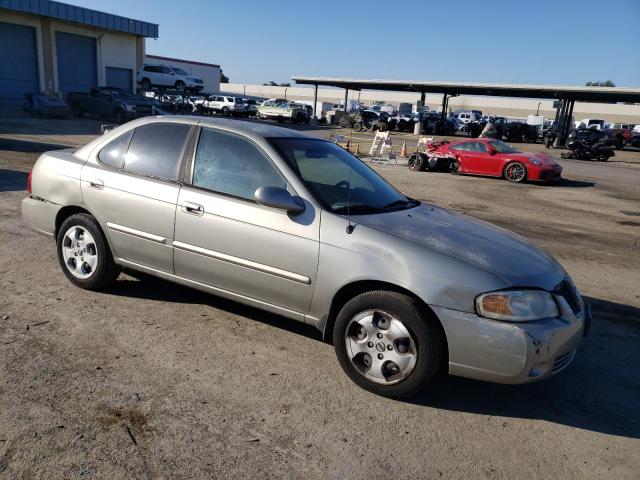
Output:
x,y
403,152
357,152
347,146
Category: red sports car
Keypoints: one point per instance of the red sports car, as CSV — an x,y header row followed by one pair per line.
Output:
x,y
488,156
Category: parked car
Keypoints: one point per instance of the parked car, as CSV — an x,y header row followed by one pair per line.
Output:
x,y
491,157
224,104
298,226
620,134
251,107
109,102
402,122
45,106
595,123
364,120
166,76
281,110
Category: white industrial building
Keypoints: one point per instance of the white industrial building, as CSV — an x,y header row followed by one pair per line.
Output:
x,y
53,47
48,46
208,72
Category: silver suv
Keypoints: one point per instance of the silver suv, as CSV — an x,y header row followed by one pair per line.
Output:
x,y
300,227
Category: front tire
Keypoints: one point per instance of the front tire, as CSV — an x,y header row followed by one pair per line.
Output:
x,y
120,117
83,253
386,343
515,172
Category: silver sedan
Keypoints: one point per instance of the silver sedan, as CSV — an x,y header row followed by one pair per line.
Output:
x,y
300,227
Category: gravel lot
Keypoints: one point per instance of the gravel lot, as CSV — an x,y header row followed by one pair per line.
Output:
x,y
152,380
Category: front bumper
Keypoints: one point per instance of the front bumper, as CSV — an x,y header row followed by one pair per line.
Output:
x,y
512,353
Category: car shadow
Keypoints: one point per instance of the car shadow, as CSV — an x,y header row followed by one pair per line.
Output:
x,y
597,392
567,182
153,288
28,146
12,180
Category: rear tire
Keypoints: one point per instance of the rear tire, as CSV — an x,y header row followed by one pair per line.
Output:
x,y
418,162
387,344
357,127
80,237
180,86
146,84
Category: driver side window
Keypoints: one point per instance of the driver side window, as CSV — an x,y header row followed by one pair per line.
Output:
x,y
230,164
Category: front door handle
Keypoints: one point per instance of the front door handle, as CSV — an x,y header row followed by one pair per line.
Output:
x,y
95,183
192,208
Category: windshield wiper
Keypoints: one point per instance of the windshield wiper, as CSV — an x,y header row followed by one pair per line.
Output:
x,y
399,203
355,209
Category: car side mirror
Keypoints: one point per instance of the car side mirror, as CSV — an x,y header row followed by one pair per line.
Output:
x,y
279,198
492,151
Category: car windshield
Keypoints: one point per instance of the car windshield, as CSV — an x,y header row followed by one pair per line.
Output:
x,y
502,147
340,181
179,71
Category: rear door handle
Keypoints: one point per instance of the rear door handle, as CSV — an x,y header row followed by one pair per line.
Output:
x,y
192,208
95,183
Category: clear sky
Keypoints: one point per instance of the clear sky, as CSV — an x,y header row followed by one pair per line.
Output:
x,y
502,41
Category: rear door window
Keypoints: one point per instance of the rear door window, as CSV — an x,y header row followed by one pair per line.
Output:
x,y
233,165
113,153
156,149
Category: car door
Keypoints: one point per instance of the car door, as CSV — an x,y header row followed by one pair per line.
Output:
x,y
226,240
131,187
479,160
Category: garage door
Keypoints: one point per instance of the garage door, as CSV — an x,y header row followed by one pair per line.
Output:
x,y
76,57
119,77
18,61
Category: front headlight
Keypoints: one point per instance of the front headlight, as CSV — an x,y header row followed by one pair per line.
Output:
x,y
517,305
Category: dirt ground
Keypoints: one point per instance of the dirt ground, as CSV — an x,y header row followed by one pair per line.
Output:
x,y
153,380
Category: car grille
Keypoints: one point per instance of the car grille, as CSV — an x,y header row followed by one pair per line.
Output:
x,y
563,361
568,291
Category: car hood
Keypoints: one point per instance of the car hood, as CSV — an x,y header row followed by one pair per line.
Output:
x,y
483,245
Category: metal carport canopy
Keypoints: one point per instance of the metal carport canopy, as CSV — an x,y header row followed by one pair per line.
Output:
x,y
577,93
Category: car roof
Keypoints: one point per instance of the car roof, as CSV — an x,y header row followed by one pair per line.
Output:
x,y
253,129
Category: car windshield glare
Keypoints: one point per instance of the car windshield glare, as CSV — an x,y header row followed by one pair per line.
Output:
x,y
502,147
339,180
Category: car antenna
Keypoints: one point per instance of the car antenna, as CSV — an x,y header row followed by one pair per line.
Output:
x,y
350,227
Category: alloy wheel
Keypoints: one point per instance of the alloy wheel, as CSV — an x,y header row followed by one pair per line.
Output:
x,y
515,172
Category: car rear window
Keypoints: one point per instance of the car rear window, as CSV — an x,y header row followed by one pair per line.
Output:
x,y
156,149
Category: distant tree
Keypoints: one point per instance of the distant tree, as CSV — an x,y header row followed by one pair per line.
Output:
x,y
276,84
606,83
223,77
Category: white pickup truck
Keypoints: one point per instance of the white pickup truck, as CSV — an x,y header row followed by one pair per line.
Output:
x,y
281,110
